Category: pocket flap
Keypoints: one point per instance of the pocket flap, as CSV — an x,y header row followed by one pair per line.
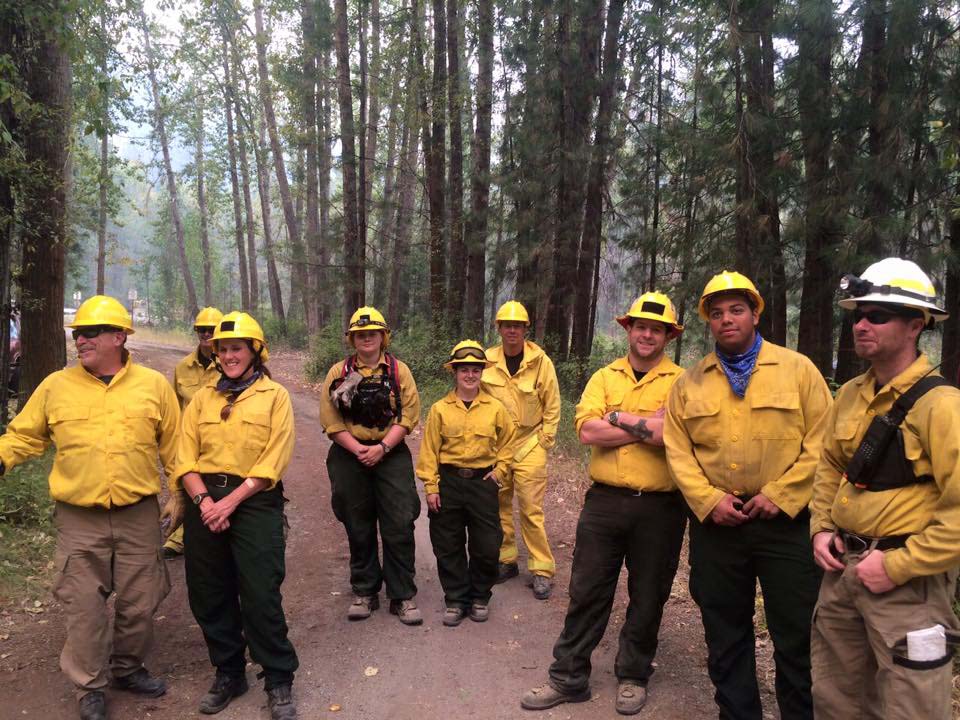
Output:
x,y
142,412
777,401
256,418
63,414
700,408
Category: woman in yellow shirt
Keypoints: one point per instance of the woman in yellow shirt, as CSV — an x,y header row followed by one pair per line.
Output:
x,y
236,441
464,457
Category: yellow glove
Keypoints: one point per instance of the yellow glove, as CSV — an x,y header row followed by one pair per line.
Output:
x,y
172,512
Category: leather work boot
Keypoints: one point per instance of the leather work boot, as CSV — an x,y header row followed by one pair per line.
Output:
x,y
407,612
280,703
505,571
541,587
363,606
479,612
453,616
140,682
93,706
224,689
630,698
546,697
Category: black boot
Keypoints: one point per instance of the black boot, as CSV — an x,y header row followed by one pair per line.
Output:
x,y
141,682
280,703
224,689
93,706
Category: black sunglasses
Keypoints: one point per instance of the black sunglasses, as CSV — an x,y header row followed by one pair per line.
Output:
x,y
874,317
204,329
91,332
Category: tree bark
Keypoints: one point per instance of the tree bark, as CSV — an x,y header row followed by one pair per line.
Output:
x,y
324,162
199,161
245,130
372,120
387,212
261,151
436,169
309,102
104,178
160,128
478,220
353,250
458,254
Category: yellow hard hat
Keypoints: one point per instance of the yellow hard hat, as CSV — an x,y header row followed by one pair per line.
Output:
x,y
103,310
512,311
241,326
894,281
208,317
652,306
369,318
728,281
467,352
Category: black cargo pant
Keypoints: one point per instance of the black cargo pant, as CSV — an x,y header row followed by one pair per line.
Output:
x,y
364,498
468,522
644,531
233,584
725,564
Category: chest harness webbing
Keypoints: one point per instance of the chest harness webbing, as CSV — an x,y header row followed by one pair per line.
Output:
x,y
880,462
371,406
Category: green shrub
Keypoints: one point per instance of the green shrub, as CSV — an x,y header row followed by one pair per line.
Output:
x,y
25,495
292,333
27,538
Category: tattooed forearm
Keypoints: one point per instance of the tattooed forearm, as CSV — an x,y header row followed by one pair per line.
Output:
x,y
638,429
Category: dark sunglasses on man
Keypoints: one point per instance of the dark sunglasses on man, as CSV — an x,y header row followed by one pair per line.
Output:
x,y
93,331
882,317
204,329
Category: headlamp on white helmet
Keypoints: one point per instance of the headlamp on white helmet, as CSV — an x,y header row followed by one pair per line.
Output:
x,y
893,282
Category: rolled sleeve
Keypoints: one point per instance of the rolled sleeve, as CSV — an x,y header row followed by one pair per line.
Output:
x,y
428,460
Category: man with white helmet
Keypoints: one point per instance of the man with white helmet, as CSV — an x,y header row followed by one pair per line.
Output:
x,y
743,433
110,420
524,379
885,514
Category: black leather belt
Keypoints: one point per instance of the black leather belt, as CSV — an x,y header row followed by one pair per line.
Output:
x,y
465,473
858,544
221,480
619,490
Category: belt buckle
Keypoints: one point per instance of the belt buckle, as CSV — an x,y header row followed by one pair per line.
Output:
x,y
847,537
465,473
223,480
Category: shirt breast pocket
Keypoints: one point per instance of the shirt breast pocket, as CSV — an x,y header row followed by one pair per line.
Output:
x,y
701,418
528,402
67,427
776,417
256,430
485,438
141,424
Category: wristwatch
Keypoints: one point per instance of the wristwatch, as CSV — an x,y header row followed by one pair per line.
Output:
x,y
386,448
613,417
198,498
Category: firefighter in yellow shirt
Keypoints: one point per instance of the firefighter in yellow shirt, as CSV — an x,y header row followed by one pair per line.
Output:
x,y
743,433
109,420
886,523
236,441
523,378
191,374
464,454
632,513
368,405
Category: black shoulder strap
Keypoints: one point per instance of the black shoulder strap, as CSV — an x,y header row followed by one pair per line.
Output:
x,y
905,402
393,375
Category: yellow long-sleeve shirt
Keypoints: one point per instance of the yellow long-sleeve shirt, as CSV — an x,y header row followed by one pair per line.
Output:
x,y
532,396
256,440
189,376
929,511
476,437
333,421
107,437
637,465
769,441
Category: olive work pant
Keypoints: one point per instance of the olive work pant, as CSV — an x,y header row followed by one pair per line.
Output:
x,y
725,564
100,552
527,481
364,498
645,532
854,631
466,537
233,584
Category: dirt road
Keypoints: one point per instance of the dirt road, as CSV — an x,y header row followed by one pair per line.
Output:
x,y
377,669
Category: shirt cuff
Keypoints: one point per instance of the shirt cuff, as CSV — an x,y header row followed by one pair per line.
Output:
x,y
781,498
705,508
334,428
265,472
546,441
432,487
897,565
821,526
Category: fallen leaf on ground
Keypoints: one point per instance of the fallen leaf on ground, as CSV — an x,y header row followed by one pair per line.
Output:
x,y
334,708
371,671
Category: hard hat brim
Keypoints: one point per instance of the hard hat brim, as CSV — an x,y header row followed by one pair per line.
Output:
x,y
705,300
74,325
626,320
937,313
450,364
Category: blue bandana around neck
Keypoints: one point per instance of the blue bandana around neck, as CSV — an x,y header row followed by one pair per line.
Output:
x,y
236,386
739,368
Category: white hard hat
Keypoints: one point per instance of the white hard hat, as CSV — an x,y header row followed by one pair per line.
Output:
x,y
893,281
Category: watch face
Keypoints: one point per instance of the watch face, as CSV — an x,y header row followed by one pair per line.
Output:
x,y
197,499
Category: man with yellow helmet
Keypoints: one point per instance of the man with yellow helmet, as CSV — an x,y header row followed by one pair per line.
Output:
x,y
368,405
190,374
236,442
632,514
523,378
743,433
109,419
885,514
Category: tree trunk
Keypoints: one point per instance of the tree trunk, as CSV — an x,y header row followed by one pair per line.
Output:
x,y
458,254
229,93
596,185
309,101
353,251
950,351
160,127
261,151
104,178
245,130
372,120
436,169
202,205
266,98
478,220
387,213
325,289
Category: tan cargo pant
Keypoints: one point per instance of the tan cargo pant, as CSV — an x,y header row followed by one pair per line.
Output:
x,y
100,552
854,631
